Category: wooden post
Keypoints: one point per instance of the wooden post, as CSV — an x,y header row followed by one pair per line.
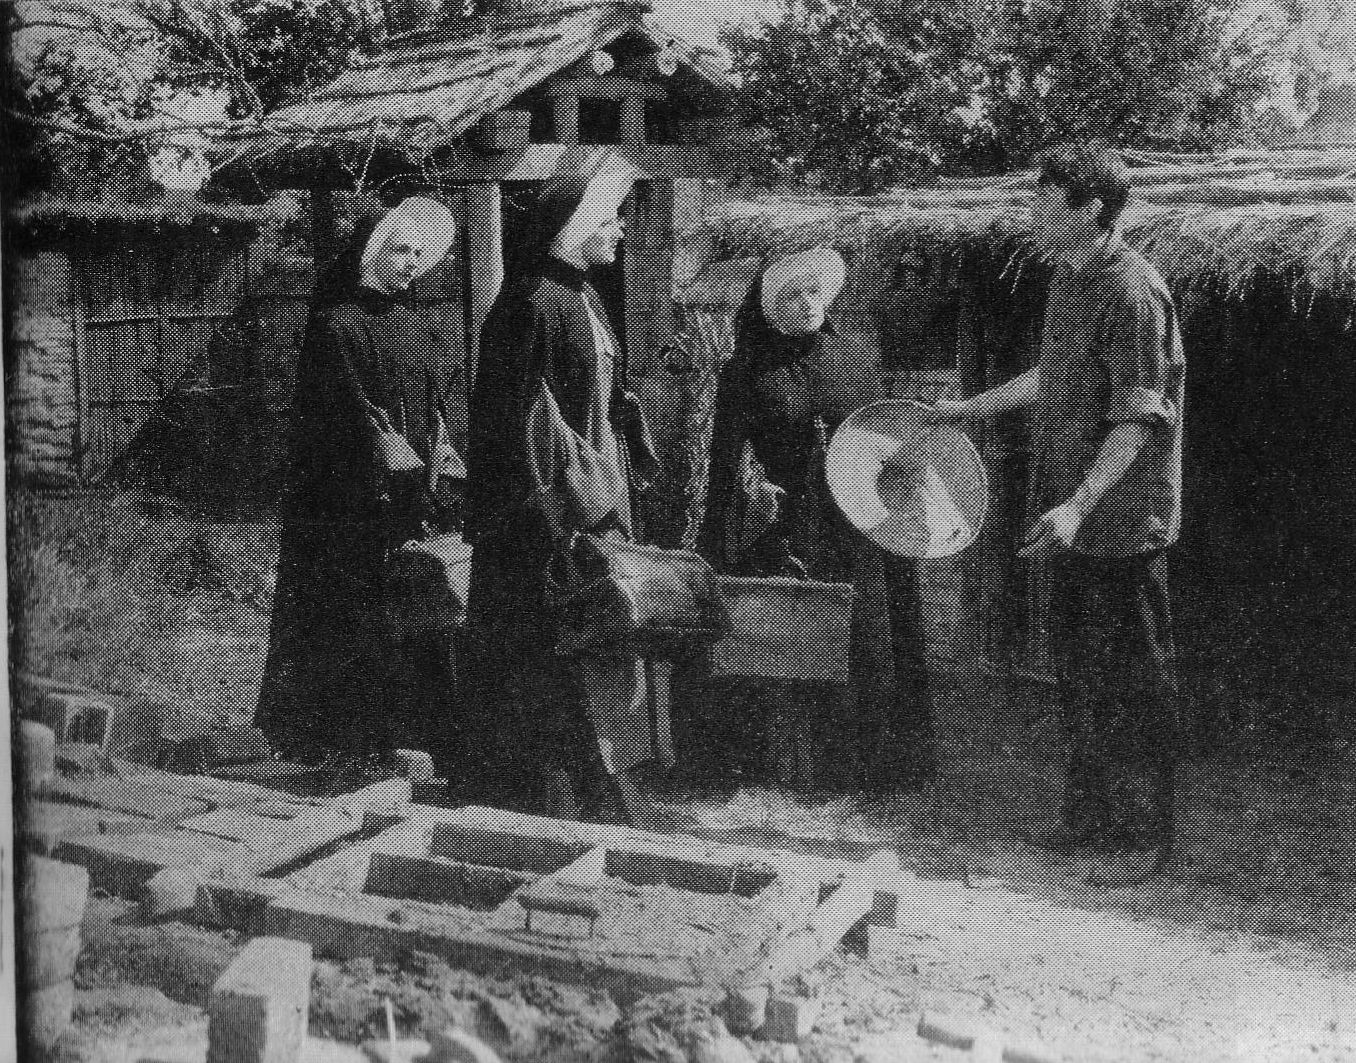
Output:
x,y
75,308
484,259
322,224
567,119
633,120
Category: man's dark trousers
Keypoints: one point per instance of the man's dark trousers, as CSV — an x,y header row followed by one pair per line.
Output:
x,y
1111,638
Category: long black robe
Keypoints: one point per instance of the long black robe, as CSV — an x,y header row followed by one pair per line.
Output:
x,y
777,395
330,681
531,710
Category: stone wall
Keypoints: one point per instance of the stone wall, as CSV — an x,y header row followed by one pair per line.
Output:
x,y
43,408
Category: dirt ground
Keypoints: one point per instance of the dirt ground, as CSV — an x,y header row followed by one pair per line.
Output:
x,y
1244,950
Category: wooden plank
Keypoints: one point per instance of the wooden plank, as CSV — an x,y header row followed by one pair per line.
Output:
x,y
127,795
44,825
272,843
542,853
435,880
218,793
641,841
348,927
853,901
346,871
122,864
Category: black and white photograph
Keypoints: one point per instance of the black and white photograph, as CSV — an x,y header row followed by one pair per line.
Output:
x,y
679,531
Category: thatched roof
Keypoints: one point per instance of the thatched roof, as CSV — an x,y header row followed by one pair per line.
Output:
x,y
1333,124
1205,224
426,88
172,215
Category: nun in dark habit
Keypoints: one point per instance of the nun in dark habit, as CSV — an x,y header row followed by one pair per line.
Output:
x,y
549,456
365,433
777,399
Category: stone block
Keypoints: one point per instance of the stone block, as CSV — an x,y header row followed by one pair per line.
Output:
x,y
790,1018
260,1004
37,756
458,1046
401,1050
414,764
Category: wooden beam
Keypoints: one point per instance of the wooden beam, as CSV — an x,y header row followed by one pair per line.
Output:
x,y
856,899
633,120
660,65
322,224
567,118
484,258
536,162
608,87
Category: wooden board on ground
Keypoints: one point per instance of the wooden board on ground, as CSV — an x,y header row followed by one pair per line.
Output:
x,y
122,863
155,795
261,836
43,825
353,926
499,892
131,796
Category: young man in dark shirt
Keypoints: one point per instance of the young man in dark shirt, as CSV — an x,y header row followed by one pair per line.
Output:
x,y
1107,398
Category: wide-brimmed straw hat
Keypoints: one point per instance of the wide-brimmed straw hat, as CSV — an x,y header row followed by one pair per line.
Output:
x,y
915,489
430,220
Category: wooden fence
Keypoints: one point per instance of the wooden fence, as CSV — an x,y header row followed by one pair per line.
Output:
x,y
101,333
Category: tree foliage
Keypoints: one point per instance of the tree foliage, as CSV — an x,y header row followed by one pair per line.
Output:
x,y
848,105
1162,74
861,94
95,87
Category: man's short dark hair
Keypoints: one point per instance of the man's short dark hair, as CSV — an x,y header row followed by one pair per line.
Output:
x,y
1086,171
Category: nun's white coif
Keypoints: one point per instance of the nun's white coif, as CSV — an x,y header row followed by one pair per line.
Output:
x,y
603,196
426,220
822,264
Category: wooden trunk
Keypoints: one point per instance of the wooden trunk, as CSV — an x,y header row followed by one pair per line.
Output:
x,y
785,629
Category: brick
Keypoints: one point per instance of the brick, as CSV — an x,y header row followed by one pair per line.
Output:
x,y
124,863
37,755
458,1046
402,1050
1029,1053
790,1019
949,1032
260,1004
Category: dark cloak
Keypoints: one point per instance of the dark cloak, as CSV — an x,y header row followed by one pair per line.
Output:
x,y
782,398
532,717
330,681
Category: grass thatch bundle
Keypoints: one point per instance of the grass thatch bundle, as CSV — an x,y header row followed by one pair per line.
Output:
x,y
173,216
1208,225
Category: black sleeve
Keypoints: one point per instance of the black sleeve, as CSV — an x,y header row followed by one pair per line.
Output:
x,y
514,355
